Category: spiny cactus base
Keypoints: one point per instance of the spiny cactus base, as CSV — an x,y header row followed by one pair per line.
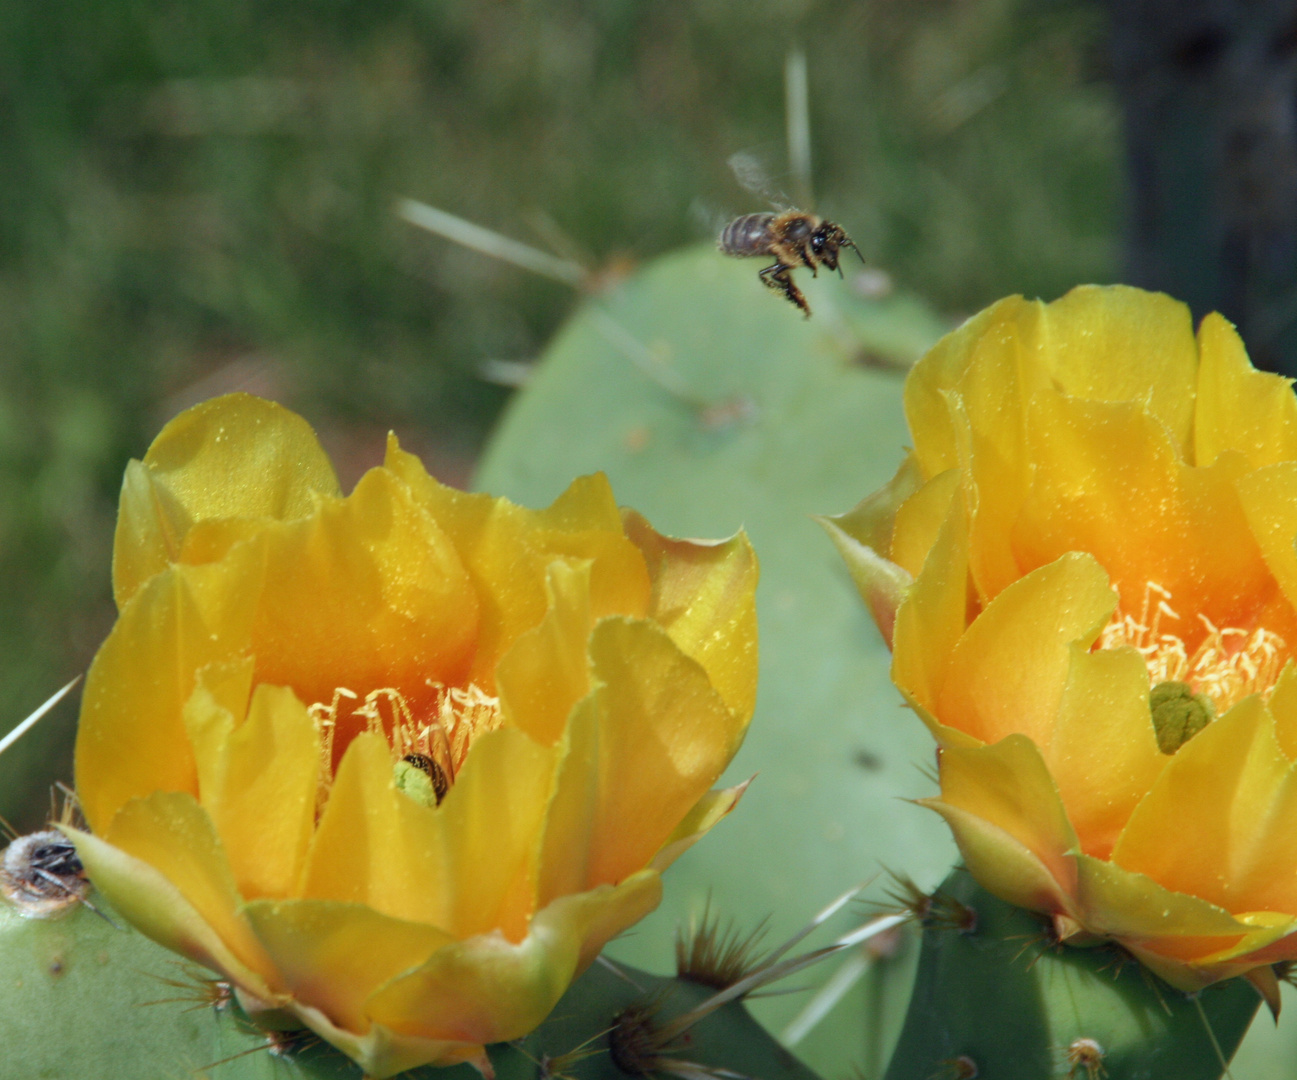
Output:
x,y
1003,1003
634,1004
81,999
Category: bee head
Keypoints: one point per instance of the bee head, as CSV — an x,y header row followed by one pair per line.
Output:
x,y
825,242
828,240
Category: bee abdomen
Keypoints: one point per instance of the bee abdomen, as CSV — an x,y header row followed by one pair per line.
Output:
x,y
747,235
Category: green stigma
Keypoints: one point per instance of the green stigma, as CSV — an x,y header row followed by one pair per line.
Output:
x,y
1178,714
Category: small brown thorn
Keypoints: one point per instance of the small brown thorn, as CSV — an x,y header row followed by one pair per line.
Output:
x,y
717,955
195,986
956,1068
1085,1056
936,910
281,1044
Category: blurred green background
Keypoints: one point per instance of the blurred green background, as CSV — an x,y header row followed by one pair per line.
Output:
x,y
198,197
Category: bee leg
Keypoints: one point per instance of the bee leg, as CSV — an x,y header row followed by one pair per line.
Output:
x,y
780,276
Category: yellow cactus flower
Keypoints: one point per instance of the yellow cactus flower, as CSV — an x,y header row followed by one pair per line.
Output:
x,y
1086,571
398,764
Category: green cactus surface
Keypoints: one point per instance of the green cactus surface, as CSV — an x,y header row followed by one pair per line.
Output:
x,y
1005,1001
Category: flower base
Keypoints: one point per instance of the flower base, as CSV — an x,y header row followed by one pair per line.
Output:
x,y
1005,1001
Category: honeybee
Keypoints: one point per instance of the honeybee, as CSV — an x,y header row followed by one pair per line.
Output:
x,y
40,872
433,771
795,238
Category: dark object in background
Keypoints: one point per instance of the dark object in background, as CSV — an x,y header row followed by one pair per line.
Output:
x,y
1209,92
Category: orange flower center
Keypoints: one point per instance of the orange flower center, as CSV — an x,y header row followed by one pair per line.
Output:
x,y
1228,664
436,744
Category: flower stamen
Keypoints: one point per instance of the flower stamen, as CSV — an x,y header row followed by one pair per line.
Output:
x,y
1229,664
437,746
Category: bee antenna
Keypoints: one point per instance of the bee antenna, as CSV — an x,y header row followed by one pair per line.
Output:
x,y
852,245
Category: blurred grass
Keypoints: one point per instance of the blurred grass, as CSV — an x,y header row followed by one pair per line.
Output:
x,y
197,197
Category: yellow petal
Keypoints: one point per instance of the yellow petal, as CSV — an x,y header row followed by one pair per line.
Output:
x,y
1283,707
376,846
208,541
865,538
491,821
150,530
131,740
466,866
1168,930
574,806
932,618
1103,752
1003,865
1008,672
572,817
506,549
232,457
1265,872
1272,937
146,899
269,762
919,521
1108,481
662,734
871,521
334,955
1269,498
1198,829
546,671
487,989
637,756
989,424
882,584
169,832
1009,822
698,823
366,593
994,330
382,1053
1240,408
704,597
1117,343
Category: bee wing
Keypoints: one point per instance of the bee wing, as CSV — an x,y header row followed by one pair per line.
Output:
x,y
750,169
707,219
